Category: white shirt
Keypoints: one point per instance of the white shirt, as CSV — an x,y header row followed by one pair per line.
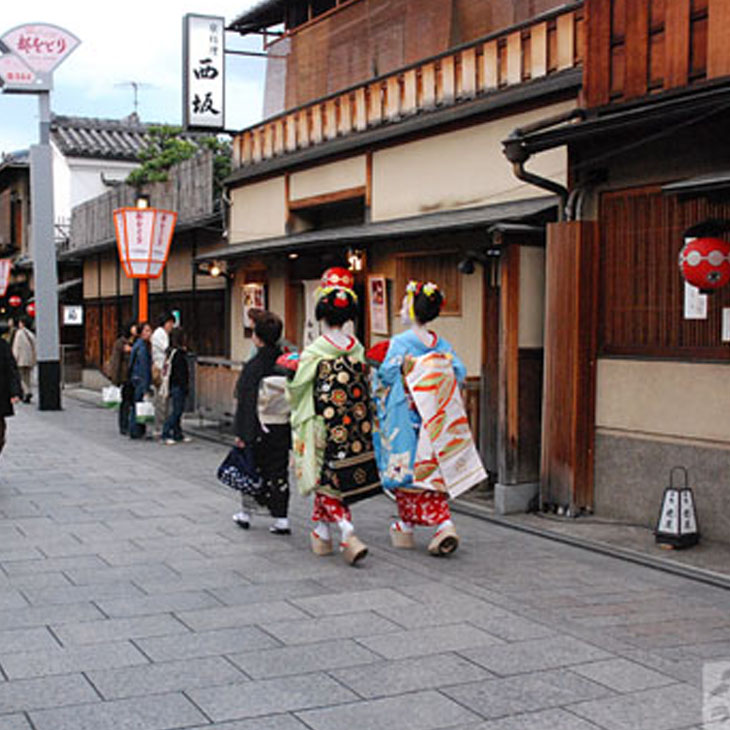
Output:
x,y
160,342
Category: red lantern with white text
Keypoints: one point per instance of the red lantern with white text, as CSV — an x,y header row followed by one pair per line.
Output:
x,y
15,301
705,263
30,310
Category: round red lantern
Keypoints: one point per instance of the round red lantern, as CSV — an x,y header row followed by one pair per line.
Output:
x,y
15,301
705,263
30,310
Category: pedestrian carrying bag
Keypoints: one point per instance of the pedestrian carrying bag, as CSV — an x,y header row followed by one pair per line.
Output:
x,y
238,471
111,396
144,411
163,390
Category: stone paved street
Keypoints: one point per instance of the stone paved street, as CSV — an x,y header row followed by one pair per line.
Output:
x,y
129,599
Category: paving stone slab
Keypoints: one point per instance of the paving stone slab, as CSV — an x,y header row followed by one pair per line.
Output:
x,y
547,720
14,722
266,696
273,722
495,698
292,660
666,708
206,643
164,677
354,602
622,675
308,631
149,605
117,629
162,712
29,694
79,594
261,592
31,639
530,656
36,616
424,672
421,642
418,711
223,617
44,663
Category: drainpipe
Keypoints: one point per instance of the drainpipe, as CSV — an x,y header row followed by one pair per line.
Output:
x,y
516,152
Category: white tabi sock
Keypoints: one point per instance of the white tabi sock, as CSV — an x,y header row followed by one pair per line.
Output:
x,y
347,529
282,523
322,530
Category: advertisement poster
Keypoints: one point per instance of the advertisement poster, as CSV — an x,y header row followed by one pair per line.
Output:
x,y
254,297
378,303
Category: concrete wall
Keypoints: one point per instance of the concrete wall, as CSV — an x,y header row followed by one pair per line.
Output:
x,y
329,178
458,169
651,416
258,211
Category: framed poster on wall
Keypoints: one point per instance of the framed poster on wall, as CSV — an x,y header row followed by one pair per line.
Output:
x,y
254,297
378,304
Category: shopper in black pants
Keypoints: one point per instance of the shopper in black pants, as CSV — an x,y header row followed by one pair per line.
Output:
x,y
262,423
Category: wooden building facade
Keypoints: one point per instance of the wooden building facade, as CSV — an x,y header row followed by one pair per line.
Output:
x,y
640,384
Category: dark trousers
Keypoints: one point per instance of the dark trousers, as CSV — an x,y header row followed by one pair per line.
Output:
x,y
2,433
136,430
272,459
172,428
124,408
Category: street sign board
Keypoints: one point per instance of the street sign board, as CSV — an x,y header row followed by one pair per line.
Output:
x,y
203,72
16,76
39,45
6,266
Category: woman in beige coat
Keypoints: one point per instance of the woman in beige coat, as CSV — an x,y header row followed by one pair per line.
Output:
x,y
24,352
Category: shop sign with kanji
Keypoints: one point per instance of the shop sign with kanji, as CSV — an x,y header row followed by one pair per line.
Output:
x,y
31,53
204,70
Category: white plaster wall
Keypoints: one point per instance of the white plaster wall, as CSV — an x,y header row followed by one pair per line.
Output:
x,y
330,178
258,211
460,169
61,187
532,296
662,398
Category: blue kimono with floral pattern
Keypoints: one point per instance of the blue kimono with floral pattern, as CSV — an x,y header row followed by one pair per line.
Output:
x,y
399,422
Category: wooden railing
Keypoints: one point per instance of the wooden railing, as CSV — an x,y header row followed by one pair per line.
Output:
x,y
215,380
637,47
546,45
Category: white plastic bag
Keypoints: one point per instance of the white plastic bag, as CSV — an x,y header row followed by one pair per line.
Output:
x,y
144,412
111,396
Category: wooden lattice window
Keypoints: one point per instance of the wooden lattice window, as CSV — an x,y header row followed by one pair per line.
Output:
x,y
439,267
642,291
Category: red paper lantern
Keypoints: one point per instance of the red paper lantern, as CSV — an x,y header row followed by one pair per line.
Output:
x,y
30,309
705,263
15,301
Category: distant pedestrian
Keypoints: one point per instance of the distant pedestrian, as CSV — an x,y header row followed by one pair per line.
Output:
x,y
176,380
118,372
10,389
24,351
140,376
160,344
9,334
262,422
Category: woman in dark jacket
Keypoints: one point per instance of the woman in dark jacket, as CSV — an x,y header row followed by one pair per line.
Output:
x,y
118,373
270,440
178,386
140,376
10,390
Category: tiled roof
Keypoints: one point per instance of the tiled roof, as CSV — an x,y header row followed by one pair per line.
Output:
x,y
263,14
111,139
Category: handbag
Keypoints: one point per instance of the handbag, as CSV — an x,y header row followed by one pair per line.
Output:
x,y
144,411
111,396
239,471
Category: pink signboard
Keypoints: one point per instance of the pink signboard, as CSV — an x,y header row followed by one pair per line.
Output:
x,y
6,266
39,45
14,72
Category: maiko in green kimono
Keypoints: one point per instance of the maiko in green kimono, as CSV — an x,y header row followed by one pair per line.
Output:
x,y
332,421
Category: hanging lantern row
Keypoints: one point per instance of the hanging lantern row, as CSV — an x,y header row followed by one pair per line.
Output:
x,y
15,301
30,309
705,263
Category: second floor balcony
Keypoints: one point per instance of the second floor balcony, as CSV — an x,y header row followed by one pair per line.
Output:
x,y
543,47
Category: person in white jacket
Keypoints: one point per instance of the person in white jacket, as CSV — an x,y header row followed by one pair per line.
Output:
x,y
160,343
24,352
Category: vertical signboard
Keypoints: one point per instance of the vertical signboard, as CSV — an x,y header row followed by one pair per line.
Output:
x,y
6,266
203,72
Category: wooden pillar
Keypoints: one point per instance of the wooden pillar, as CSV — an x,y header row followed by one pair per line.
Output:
x,y
509,324
570,357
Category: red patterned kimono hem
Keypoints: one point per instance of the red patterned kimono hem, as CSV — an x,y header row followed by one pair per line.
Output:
x,y
424,507
329,509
